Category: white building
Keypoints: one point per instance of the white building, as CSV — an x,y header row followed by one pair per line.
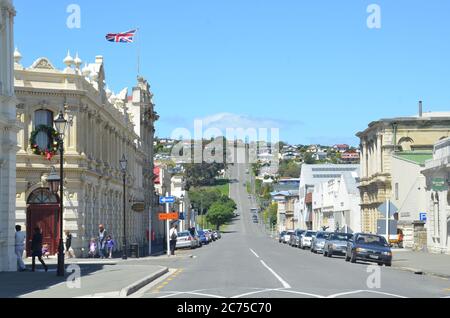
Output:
x,y
8,138
409,191
437,173
312,176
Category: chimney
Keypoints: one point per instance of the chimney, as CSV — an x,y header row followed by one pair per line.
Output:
x,y
420,109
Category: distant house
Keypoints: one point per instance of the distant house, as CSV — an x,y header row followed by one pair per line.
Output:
x,y
350,156
341,148
320,155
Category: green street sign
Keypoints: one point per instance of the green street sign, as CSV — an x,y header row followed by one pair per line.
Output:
x,y
439,184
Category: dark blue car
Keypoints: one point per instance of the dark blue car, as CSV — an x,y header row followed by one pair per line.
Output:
x,y
369,248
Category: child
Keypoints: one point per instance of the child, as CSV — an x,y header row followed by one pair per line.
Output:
x,y
110,245
45,250
92,248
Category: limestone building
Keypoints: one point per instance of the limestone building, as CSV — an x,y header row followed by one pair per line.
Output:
x,y
102,127
388,137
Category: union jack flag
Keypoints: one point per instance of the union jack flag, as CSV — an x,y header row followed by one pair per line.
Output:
x,y
125,37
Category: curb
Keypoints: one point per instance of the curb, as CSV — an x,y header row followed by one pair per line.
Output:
x,y
131,289
421,272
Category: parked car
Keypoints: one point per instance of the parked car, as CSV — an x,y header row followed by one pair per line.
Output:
x,y
185,240
295,238
210,235
203,238
218,235
336,243
318,242
281,237
196,236
306,239
370,248
287,236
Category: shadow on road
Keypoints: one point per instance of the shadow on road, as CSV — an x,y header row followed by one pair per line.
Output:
x,y
15,284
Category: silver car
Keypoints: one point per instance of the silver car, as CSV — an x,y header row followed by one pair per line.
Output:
x,y
336,244
318,242
185,240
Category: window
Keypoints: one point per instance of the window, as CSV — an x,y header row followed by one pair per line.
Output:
x,y
43,117
397,191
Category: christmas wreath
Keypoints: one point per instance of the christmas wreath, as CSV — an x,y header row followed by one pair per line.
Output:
x,y
52,148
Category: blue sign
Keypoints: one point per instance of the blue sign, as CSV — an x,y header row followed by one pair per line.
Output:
x,y
181,216
423,217
164,200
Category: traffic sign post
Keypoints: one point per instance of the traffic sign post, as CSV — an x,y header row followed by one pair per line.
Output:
x,y
168,216
166,199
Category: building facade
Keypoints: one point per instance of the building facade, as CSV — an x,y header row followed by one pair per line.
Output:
x,y
437,173
102,127
379,142
8,137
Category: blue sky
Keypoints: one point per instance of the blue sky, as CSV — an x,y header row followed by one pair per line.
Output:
x,y
312,68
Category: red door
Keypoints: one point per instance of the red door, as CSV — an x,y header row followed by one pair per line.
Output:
x,y
46,217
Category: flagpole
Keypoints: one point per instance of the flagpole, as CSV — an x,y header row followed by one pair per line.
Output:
x,y
138,52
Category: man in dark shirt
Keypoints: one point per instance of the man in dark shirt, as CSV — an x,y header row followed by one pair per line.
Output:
x,y
36,248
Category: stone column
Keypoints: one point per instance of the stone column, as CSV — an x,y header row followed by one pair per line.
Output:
x,y
8,137
380,152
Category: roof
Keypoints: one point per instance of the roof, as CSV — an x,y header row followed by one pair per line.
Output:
x,y
292,193
417,157
315,174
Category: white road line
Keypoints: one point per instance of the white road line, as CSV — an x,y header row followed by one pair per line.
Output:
x,y
254,292
254,253
365,291
299,293
285,285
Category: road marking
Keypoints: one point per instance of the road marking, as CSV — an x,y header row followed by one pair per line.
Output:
x,y
254,253
364,291
285,285
299,293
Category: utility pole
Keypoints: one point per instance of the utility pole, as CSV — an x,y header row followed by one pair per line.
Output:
x,y
167,226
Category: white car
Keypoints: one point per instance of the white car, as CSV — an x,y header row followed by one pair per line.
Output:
x,y
185,240
306,239
287,236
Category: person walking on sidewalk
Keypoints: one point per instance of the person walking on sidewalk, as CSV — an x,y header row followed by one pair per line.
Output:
x,y
69,249
19,248
173,234
102,235
36,248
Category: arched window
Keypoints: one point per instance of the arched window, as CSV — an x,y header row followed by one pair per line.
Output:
x,y
42,196
405,143
43,117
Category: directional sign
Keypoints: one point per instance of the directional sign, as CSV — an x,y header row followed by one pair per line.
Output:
x,y
164,200
439,184
168,216
423,217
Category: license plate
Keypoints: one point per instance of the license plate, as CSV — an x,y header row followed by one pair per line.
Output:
x,y
374,256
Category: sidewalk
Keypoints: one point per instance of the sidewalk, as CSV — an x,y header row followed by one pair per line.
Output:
x,y
99,278
422,263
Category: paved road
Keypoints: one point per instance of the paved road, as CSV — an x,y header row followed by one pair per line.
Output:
x,y
246,263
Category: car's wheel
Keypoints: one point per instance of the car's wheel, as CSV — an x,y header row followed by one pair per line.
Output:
x,y
353,258
388,264
330,253
380,264
324,254
347,259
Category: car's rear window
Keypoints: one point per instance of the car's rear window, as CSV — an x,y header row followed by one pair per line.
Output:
x,y
340,237
371,239
182,234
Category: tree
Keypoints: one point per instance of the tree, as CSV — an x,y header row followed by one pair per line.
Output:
x,y
270,214
221,212
308,159
202,174
289,168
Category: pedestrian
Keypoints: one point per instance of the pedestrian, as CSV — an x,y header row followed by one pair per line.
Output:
x,y
92,248
46,250
110,246
69,250
36,249
173,235
19,248
102,235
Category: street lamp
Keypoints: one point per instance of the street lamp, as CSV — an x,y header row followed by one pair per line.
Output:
x,y
60,125
123,165
53,180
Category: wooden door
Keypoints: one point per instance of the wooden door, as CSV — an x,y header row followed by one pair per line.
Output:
x,y
46,217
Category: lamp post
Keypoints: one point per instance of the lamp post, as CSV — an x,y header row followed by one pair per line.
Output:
x,y
182,213
61,125
123,165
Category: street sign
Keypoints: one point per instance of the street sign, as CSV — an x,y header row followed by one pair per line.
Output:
x,y
423,217
168,216
439,184
181,216
392,209
164,200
